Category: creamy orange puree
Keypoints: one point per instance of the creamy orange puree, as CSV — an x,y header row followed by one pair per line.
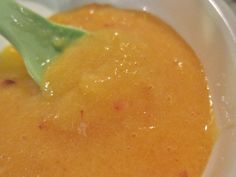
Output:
x,y
128,100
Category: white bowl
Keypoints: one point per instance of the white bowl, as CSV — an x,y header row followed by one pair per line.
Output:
x,y
210,29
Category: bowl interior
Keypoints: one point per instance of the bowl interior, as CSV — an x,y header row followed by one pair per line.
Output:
x,y
210,29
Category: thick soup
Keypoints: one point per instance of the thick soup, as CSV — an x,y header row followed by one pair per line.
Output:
x,y
128,100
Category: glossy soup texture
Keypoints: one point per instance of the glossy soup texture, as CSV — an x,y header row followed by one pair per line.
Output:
x,y
130,99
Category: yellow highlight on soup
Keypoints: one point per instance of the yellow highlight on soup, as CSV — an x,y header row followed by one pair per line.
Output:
x,y
128,100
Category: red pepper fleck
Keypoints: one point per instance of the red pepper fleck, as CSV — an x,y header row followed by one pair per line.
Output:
x,y
108,24
42,125
8,82
82,114
120,105
148,90
183,174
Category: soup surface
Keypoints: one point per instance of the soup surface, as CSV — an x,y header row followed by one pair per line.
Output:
x,y
130,99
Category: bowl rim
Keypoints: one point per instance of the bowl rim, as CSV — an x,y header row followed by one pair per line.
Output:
x,y
227,15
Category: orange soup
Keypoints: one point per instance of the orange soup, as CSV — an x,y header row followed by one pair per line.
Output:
x,y
129,99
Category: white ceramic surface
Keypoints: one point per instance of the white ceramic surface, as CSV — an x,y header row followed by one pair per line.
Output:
x,y
210,28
